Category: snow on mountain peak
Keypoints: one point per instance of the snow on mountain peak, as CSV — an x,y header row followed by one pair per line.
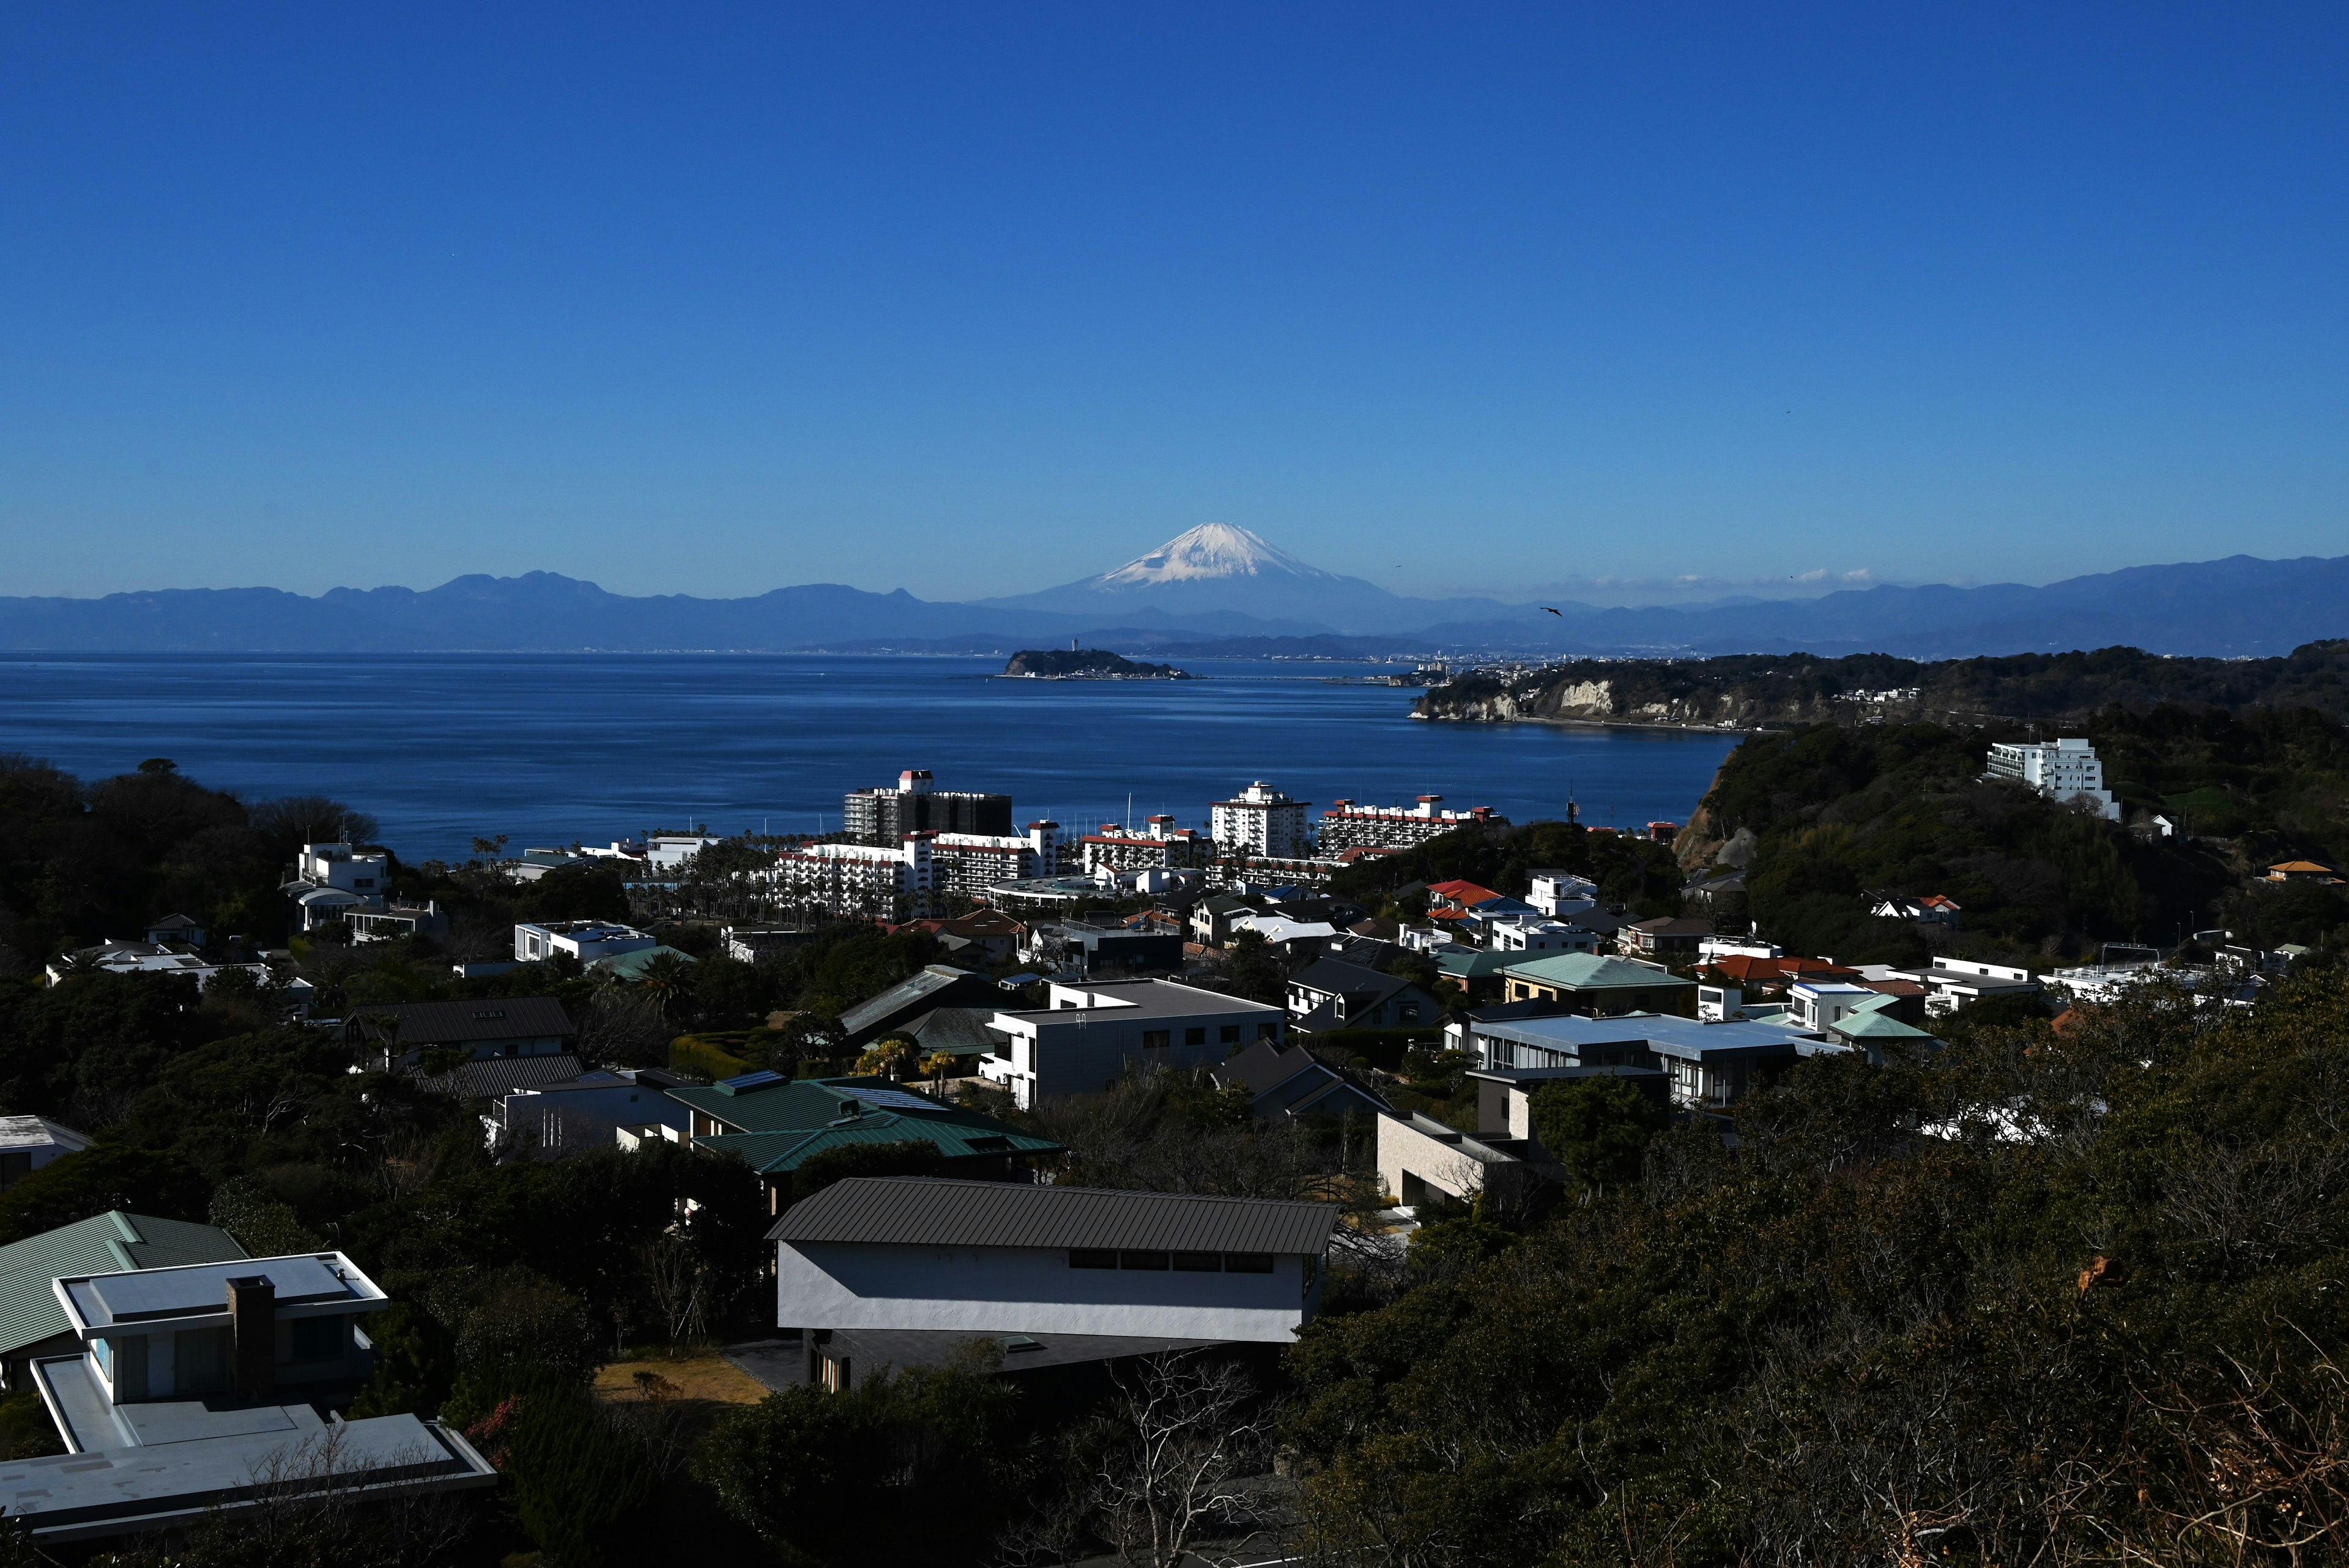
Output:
x,y
1210,551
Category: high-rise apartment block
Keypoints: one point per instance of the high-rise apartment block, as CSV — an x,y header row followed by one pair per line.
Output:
x,y
1348,826
1260,820
2067,770
882,817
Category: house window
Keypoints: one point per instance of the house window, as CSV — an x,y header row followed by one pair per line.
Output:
x,y
1408,1011
1247,1262
320,1338
1197,1036
1156,1261
1157,1039
1267,1031
1230,1034
1092,1258
1198,1263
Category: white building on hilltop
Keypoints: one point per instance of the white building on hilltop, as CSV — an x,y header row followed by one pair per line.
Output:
x,y
2067,770
1349,825
1261,820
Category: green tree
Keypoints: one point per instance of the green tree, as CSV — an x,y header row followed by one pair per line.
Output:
x,y
1256,971
109,1176
1596,1128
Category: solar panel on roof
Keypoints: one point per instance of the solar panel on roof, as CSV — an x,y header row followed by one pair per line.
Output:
x,y
895,1099
758,1080
175,1292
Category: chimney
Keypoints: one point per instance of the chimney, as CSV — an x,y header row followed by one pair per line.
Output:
x,y
252,1328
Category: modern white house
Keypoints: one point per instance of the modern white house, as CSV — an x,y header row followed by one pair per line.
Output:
x,y
147,958
1815,1005
1562,894
586,940
1092,1033
170,1406
2065,770
930,1254
1537,934
1261,820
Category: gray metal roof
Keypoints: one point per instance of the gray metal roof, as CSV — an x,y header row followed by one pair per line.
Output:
x,y
29,1311
907,993
497,1077
463,1022
927,1212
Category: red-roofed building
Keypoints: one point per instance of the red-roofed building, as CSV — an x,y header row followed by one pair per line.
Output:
x,y
1459,895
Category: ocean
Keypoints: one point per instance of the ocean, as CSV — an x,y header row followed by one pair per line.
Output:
x,y
553,748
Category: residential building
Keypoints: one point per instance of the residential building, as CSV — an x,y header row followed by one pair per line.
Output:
x,y
1814,1005
584,1111
1561,895
670,851
28,1142
1284,931
1262,821
1537,934
396,1035
117,957
482,1082
1505,1094
586,940
1460,897
1950,984
177,931
1159,844
1092,1034
988,936
326,879
774,1125
749,944
1670,940
633,965
392,922
2303,871
1709,1064
1294,1085
1348,825
2066,770
169,1409
1437,1171
1477,971
937,985
1329,994
966,1258
32,1322
1106,951
965,865
1240,872
1212,917
858,880
883,817
1932,909
1588,983
1873,1029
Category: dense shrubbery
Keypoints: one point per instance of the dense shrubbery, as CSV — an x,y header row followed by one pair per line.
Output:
x,y
1875,1331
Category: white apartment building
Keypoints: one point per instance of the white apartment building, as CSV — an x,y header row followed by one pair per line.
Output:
x,y
1560,894
1532,934
860,879
1349,826
1261,820
586,941
2067,770
667,851
1159,844
965,865
329,878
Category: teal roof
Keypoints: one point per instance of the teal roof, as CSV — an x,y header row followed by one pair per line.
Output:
x,y
1873,1023
106,1244
1474,965
631,966
782,1122
1588,971
779,1153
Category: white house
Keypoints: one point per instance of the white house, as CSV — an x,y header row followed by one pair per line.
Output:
x,y
1537,934
2067,770
667,851
586,941
1562,894
28,1143
1092,1033
1815,1005
923,1253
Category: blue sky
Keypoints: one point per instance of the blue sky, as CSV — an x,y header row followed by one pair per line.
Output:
x,y
971,300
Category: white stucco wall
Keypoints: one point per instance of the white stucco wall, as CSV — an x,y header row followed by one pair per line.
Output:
x,y
1003,1290
1405,1150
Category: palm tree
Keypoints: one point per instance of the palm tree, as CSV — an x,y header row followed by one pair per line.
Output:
x,y
666,977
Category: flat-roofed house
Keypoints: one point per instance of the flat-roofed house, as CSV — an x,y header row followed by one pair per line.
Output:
x,y
1709,1066
1092,1034
28,1143
32,1323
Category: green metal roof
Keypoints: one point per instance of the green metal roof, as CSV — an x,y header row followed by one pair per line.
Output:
x,y
1472,964
1871,1024
106,1244
631,966
1588,971
777,1153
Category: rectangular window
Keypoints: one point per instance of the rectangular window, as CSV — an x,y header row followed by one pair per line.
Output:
x,y
1092,1258
1247,1262
320,1338
1267,1031
1198,1263
1197,1036
1408,1011
1230,1034
1157,1039
1143,1259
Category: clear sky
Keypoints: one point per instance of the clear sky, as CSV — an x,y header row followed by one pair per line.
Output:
x,y
970,300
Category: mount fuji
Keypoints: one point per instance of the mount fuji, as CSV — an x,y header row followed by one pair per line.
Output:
x,y
1217,568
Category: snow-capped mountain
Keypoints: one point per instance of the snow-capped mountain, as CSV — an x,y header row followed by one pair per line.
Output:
x,y
1220,567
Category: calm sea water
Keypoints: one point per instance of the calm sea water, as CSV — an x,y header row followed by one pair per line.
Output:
x,y
552,748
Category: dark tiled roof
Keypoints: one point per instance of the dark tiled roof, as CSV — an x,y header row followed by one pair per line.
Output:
x,y
904,998
501,1076
927,1212
464,1022
958,1031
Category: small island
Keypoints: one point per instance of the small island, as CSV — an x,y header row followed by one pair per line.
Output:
x,y
1087,664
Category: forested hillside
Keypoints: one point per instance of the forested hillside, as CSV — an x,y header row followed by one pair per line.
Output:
x,y
1749,691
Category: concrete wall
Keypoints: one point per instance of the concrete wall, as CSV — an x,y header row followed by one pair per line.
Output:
x,y
1004,1290
1411,1156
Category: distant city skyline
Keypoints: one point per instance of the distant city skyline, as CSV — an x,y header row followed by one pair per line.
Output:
x,y
1627,307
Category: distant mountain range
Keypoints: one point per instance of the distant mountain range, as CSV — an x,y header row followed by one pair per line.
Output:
x,y
1218,589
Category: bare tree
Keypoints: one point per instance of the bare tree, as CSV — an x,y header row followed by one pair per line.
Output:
x,y
679,1284
1190,1432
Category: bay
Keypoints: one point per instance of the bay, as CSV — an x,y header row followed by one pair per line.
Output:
x,y
552,748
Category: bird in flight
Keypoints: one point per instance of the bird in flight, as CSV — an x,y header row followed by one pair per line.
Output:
x,y
1561,614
